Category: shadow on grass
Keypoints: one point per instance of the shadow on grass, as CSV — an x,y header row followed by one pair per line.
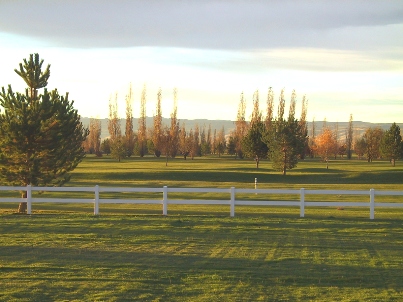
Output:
x,y
319,177
71,256
81,264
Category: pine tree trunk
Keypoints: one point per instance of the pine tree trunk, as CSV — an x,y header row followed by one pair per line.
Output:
x,y
22,207
285,162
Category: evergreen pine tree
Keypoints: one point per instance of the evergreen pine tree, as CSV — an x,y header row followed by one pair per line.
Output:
x,y
41,135
287,139
286,144
253,142
392,145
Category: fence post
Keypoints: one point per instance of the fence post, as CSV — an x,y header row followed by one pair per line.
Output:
x,y
165,201
29,199
302,203
371,204
96,201
232,206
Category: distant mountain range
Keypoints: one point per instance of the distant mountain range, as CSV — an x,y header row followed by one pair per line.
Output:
x,y
358,126
189,124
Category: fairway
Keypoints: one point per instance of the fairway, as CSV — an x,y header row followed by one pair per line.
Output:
x,y
199,253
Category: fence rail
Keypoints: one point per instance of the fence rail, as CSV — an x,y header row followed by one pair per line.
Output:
x,y
300,195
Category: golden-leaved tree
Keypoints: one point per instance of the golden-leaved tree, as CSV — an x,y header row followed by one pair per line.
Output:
x,y
325,144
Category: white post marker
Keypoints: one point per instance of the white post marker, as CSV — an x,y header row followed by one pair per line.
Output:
x,y
371,204
302,203
232,206
96,200
165,201
29,199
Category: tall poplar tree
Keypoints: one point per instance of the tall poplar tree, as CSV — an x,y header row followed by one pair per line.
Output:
x,y
256,113
221,142
114,120
287,140
240,127
208,139
270,107
41,135
157,133
196,142
203,141
349,138
214,144
174,129
281,106
93,142
312,139
142,128
253,142
303,127
129,133
184,145
336,138
115,133
191,142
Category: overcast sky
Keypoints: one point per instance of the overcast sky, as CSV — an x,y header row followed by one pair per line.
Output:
x,y
345,56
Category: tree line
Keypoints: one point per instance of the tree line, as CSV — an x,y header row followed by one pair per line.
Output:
x,y
159,140
282,139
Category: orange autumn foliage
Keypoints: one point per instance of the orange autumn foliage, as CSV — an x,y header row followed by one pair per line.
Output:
x,y
325,144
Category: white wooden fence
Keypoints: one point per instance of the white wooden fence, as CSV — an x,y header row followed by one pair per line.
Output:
x,y
300,197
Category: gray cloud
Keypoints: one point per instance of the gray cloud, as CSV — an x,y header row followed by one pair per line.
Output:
x,y
216,24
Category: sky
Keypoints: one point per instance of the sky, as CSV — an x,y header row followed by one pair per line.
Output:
x,y
346,57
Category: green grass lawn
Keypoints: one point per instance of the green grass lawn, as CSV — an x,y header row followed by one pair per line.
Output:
x,y
199,253
227,172
276,257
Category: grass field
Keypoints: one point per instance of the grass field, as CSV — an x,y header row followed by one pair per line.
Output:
x,y
227,172
199,253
